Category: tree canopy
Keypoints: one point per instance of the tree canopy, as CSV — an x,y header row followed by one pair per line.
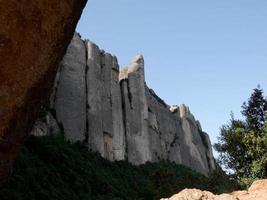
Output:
x,y
242,144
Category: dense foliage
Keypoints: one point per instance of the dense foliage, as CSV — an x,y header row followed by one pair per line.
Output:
x,y
243,143
49,168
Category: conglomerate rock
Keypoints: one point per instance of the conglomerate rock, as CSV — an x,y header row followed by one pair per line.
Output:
x,y
258,191
113,112
135,108
34,35
70,91
105,131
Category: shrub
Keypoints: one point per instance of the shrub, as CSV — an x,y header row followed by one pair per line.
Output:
x,y
51,168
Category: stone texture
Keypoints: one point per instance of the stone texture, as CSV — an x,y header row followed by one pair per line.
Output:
x,y
176,136
164,129
193,139
208,150
119,142
114,113
86,100
40,128
46,126
33,38
258,191
69,101
194,194
105,117
94,98
135,110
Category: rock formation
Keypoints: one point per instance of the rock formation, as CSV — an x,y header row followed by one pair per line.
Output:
x,y
34,35
258,191
113,112
135,108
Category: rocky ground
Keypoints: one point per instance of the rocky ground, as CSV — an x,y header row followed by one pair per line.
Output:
x,y
258,191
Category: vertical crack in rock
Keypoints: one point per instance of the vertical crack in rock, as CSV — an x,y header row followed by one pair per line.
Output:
x,y
124,116
94,98
53,96
86,95
137,127
117,112
121,118
129,94
107,109
71,91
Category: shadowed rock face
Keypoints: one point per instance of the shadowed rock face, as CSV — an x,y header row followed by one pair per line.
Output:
x,y
258,191
34,35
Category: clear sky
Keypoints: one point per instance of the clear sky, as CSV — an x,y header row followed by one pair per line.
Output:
x,y
208,54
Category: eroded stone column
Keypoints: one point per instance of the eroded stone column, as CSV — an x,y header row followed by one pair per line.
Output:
x,y
136,111
70,97
94,98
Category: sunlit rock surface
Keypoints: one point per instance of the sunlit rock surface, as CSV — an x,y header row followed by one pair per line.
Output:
x,y
113,112
258,191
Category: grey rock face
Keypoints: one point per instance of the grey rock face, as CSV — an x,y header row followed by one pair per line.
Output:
x,y
105,117
208,149
119,140
43,127
94,98
114,113
199,145
164,129
175,136
136,112
70,91
40,128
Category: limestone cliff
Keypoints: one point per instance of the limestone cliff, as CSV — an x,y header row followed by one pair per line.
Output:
x,y
114,112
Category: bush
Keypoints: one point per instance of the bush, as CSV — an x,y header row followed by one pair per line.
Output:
x,y
51,168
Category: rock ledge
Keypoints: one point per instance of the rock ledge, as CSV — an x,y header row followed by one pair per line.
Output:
x,y
258,191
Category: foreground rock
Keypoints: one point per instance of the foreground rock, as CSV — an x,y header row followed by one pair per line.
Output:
x,y
113,112
34,35
258,191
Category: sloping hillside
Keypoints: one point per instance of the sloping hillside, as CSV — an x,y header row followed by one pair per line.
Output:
x,y
51,168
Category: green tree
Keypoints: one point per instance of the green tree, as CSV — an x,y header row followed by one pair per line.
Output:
x,y
232,150
242,144
254,111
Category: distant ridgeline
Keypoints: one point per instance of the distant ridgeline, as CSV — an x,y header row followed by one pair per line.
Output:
x,y
113,112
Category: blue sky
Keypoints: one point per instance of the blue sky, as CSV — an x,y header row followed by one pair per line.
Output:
x,y
208,54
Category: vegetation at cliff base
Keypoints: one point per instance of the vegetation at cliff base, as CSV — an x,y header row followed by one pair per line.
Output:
x,y
51,168
243,143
